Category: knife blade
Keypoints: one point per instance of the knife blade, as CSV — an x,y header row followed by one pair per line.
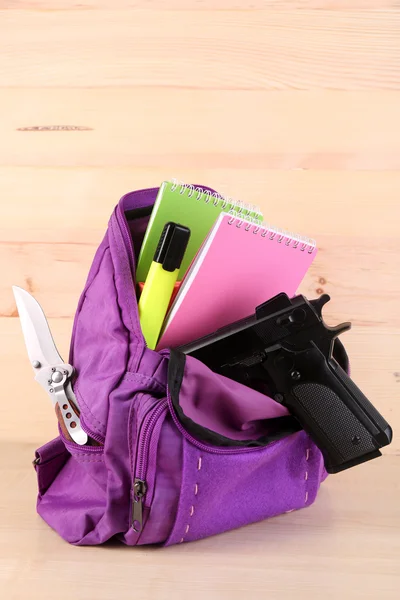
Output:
x,y
37,335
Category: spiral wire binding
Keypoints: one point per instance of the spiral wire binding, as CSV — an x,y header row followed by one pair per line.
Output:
x,y
272,233
240,209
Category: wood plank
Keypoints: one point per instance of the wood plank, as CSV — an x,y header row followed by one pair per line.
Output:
x,y
374,353
73,204
265,50
197,5
344,267
54,273
261,130
26,414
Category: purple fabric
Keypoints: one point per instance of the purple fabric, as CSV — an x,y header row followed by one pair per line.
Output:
x,y
221,492
50,459
219,404
101,347
193,490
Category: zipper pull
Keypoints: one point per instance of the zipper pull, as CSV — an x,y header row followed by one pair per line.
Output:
x,y
139,490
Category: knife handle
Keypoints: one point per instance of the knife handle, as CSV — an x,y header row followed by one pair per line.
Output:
x,y
74,415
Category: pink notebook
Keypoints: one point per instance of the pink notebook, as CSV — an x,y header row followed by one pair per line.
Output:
x,y
239,266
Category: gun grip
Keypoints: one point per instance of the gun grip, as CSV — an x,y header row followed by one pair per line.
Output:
x,y
340,434
384,437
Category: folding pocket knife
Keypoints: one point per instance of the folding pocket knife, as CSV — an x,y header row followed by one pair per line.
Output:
x,y
53,374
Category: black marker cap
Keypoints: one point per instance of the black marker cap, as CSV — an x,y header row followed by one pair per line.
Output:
x,y
172,246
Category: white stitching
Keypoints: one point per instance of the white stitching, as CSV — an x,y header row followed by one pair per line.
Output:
x,y
191,510
306,475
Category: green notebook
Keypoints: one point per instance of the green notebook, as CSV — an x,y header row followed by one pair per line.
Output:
x,y
193,207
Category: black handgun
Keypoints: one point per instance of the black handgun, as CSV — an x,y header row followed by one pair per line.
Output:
x,y
287,351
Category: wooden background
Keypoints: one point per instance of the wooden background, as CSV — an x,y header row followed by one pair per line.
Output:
x,y
292,104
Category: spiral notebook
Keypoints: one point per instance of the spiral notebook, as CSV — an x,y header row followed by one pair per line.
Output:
x,y
194,207
241,265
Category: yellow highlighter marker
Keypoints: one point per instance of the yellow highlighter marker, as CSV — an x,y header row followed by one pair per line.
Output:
x,y
161,279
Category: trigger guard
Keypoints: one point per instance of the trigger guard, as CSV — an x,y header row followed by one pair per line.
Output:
x,y
340,355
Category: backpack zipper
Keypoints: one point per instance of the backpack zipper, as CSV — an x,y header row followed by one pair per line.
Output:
x,y
143,452
139,492
100,439
127,239
126,234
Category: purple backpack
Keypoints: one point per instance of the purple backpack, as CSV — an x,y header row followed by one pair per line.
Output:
x,y
183,453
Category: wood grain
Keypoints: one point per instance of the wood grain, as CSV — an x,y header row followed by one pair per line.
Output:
x,y
263,50
73,204
291,104
198,129
227,5
56,272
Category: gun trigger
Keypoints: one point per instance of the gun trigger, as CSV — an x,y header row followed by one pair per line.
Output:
x,y
319,303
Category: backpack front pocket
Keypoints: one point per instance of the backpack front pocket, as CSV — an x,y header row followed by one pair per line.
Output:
x,y
237,468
